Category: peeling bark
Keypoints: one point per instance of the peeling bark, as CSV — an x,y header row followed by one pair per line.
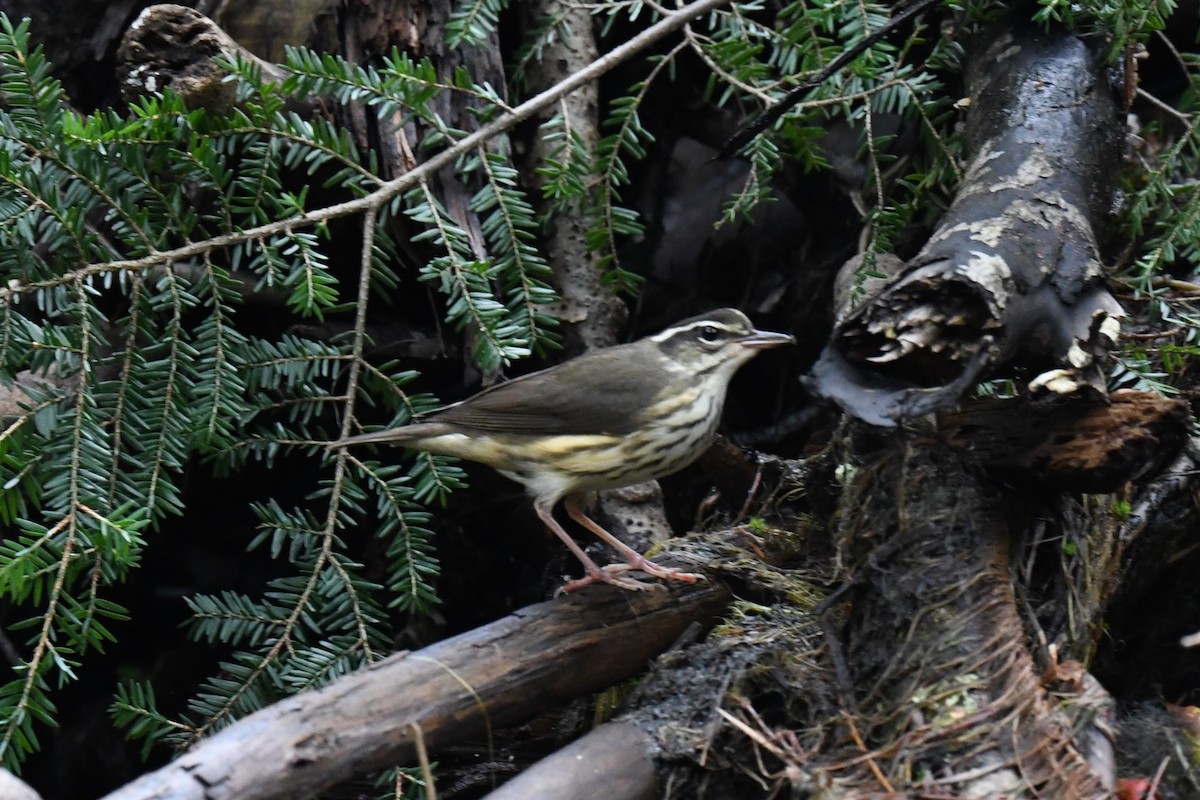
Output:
x,y
1013,273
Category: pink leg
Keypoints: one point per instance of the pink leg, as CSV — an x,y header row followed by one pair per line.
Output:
x,y
594,573
635,559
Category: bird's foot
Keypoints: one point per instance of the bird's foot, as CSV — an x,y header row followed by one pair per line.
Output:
x,y
658,570
610,576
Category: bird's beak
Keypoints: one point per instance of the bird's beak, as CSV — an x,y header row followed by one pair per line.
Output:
x,y
762,340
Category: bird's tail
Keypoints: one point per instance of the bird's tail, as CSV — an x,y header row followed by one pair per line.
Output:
x,y
405,435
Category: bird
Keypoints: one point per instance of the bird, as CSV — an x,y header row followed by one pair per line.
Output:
x,y
609,418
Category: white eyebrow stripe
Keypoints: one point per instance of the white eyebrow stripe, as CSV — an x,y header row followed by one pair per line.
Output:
x,y
670,333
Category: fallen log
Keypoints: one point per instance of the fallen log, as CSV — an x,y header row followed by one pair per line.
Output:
x,y
502,673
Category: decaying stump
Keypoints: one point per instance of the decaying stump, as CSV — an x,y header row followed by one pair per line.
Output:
x,y
946,689
927,675
934,679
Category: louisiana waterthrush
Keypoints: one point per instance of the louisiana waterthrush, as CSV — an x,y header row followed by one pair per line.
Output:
x,y
606,419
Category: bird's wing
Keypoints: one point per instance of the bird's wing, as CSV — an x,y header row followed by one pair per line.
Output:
x,y
601,392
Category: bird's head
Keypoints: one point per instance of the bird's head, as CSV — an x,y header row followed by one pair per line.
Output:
x,y
715,343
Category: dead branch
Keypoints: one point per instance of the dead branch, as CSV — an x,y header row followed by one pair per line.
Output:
x,y
497,675
613,762
1013,272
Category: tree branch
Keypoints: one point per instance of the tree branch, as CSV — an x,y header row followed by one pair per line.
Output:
x,y
381,196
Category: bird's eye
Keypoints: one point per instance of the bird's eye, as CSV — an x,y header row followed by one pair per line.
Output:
x,y
709,333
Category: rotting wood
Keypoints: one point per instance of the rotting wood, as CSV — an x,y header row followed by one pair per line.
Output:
x,y
1013,272
920,669
943,678
1076,444
175,46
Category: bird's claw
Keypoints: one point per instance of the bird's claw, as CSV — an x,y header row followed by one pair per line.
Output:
x,y
606,576
610,574
667,573
652,569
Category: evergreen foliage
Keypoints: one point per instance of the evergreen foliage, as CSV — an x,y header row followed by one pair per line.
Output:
x,y
128,242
